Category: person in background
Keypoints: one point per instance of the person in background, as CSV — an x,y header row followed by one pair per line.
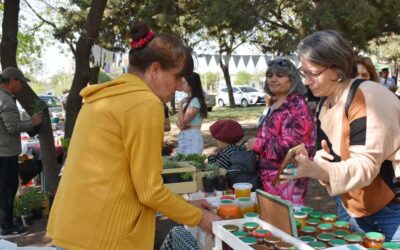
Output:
x,y
112,186
191,112
12,80
227,133
64,99
167,123
288,123
386,81
359,150
366,69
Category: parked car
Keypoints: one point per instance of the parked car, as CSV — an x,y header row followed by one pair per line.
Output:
x,y
52,102
209,98
243,95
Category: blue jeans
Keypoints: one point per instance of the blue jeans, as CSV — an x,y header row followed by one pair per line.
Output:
x,y
385,221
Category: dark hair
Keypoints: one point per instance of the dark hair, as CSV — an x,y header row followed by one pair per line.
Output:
x,y
368,64
197,91
163,48
287,68
329,49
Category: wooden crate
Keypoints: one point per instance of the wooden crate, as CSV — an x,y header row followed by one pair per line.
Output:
x,y
182,187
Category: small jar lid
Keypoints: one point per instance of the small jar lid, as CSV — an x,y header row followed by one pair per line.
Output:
x,y
272,239
325,226
244,201
284,246
329,217
261,233
231,228
307,238
337,242
240,234
251,225
341,223
317,244
341,233
308,229
227,197
375,236
249,240
251,215
313,221
391,246
226,202
306,209
300,215
316,214
325,237
242,185
353,238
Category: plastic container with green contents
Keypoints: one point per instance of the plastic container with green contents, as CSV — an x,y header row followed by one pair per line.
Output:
x,y
317,245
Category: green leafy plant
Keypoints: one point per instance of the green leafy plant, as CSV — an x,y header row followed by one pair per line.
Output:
x,y
65,143
32,198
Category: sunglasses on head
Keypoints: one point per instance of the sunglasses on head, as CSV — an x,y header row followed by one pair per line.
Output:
x,y
280,62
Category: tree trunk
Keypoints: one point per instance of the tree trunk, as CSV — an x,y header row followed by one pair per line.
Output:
x,y
9,41
94,75
82,68
27,97
225,70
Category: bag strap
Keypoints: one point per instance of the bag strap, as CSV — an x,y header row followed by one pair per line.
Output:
x,y
351,94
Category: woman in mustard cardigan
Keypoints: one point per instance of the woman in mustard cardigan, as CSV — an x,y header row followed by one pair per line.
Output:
x,y
112,187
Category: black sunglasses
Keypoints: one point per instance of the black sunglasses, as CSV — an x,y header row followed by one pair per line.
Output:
x,y
280,62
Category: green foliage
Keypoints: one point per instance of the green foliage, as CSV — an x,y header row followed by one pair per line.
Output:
x,y
61,81
104,77
210,80
242,78
65,143
32,198
386,48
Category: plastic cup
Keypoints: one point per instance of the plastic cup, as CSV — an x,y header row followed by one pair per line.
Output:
x,y
242,189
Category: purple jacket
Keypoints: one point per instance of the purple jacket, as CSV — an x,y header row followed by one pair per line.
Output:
x,y
287,126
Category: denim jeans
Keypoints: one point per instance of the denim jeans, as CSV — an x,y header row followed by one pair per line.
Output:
x,y
385,221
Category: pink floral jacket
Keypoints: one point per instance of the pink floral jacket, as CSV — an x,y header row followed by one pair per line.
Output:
x,y
287,126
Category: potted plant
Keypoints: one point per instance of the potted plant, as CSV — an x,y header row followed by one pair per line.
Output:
x,y
35,201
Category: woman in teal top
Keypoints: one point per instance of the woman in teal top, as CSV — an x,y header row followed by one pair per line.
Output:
x,y
192,111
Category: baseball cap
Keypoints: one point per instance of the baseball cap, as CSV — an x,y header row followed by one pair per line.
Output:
x,y
12,72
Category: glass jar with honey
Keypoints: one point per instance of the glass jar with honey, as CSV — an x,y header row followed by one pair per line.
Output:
x,y
313,222
373,240
260,234
284,246
245,205
308,230
271,241
250,227
316,215
337,242
324,228
251,215
307,210
325,237
228,211
340,233
302,217
329,218
307,238
342,225
353,239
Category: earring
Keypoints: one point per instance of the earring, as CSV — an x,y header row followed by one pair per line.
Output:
x,y
340,77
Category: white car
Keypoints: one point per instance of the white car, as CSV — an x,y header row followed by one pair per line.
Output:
x,y
243,95
209,98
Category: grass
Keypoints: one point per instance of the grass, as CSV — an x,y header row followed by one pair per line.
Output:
x,y
238,114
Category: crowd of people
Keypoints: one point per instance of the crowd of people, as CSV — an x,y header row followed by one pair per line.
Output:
x,y
114,165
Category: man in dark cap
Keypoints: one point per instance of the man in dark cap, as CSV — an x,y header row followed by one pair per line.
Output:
x,y
12,80
386,81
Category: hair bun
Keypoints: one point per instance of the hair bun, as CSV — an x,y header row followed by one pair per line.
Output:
x,y
138,30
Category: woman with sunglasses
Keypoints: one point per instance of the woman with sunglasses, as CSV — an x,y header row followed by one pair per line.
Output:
x,y
288,123
359,147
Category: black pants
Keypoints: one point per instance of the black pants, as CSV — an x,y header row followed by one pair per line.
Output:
x,y
8,189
